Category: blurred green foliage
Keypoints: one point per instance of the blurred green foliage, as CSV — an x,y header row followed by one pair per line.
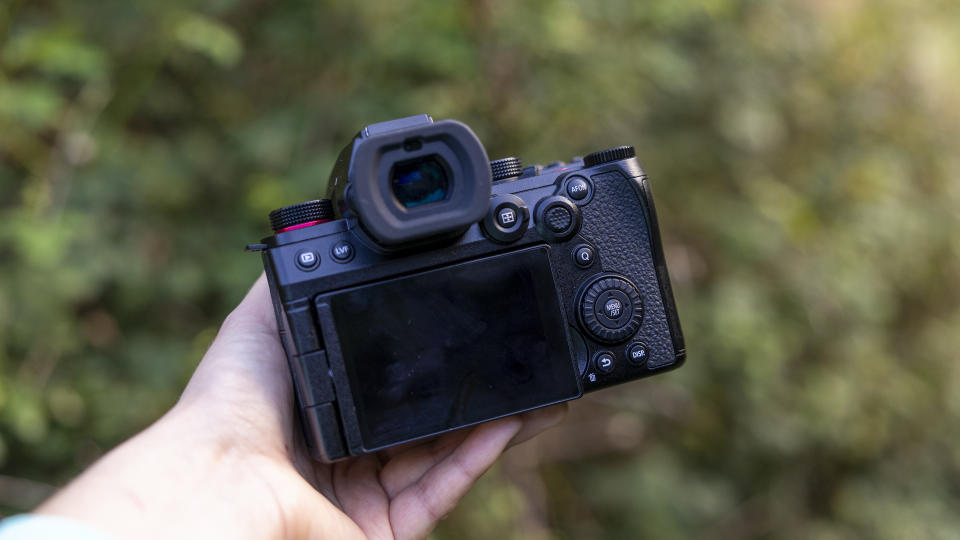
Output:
x,y
806,166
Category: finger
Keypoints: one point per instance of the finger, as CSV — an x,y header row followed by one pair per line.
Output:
x,y
247,348
416,510
360,495
242,385
409,465
539,420
251,325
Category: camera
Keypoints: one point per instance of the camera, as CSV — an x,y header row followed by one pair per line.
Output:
x,y
433,289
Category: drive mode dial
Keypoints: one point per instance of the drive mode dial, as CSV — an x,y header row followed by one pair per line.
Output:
x,y
610,309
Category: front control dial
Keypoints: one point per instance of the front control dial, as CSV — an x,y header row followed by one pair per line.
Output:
x,y
610,309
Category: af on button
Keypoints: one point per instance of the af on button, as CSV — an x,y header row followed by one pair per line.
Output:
x,y
307,259
579,189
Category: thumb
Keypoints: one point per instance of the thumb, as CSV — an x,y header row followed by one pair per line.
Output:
x,y
245,368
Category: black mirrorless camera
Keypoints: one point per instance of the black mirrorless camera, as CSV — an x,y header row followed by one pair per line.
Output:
x,y
434,290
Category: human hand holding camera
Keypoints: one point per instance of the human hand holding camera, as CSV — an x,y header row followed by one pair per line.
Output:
x,y
460,293
227,461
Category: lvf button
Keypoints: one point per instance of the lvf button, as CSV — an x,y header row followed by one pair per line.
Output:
x,y
583,255
604,362
637,354
342,251
307,259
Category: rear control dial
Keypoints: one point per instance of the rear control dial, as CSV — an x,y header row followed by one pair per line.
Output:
x,y
609,155
610,309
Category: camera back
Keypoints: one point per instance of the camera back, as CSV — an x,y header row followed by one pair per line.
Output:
x,y
546,282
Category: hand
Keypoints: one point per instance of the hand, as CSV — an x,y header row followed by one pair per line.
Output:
x,y
228,461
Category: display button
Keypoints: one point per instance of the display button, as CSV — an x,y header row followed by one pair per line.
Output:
x,y
308,259
605,362
637,354
583,256
342,251
507,216
577,188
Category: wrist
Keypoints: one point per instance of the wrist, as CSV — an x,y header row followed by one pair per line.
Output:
x,y
174,480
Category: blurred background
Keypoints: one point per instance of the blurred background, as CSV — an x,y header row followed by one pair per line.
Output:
x,y
806,169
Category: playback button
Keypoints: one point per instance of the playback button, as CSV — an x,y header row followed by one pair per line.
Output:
x,y
307,259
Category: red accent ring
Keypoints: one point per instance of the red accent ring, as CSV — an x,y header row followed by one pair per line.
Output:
x,y
303,225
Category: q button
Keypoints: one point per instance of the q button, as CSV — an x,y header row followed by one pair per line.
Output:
x,y
583,256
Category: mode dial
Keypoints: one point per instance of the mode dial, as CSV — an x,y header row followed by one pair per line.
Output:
x,y
507,167
301,215
608,155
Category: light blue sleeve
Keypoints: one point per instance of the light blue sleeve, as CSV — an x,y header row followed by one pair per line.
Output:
x,y
40,527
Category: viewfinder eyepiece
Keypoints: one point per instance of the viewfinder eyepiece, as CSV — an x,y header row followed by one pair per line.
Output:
x,y
412,180
419,181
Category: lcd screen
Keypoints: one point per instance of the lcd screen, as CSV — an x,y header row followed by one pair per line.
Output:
x,y
455,346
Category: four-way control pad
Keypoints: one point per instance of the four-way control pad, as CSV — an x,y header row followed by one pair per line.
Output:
x,y
610,309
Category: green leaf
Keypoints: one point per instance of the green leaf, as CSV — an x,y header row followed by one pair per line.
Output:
x,y
209,37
